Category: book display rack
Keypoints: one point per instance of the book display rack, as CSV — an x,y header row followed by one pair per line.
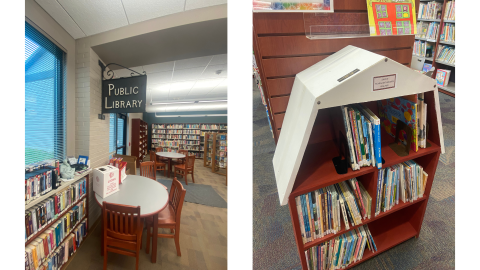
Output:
x,y
438,19
205,128
305,156
220,152
208,153
139,139
61,226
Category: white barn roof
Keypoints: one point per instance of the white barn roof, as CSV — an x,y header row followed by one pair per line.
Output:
x,y
321,86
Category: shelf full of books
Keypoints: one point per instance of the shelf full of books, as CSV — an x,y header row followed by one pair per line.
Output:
x,y
208,151
139,140
56,226
220,151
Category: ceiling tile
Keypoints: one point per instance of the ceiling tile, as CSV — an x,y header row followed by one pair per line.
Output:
x,y
54,9
204,86
193,4
142,10
192,62
187,74
180,89
218,59
94,17
158,67
211,72
159,77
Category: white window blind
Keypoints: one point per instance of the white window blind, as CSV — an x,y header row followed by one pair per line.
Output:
x,y
45,98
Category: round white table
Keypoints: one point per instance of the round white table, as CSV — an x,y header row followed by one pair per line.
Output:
x,y
150,195
170,155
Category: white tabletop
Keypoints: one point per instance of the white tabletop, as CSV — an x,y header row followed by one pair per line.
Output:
x,y
170,155
137,190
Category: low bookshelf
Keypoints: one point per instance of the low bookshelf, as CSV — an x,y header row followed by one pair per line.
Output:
x,y
388,229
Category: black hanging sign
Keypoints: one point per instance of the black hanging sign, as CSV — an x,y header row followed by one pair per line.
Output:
x,y
124,95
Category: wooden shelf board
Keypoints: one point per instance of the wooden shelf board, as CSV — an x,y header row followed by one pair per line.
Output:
x,y
448,42
450,87
444,63
428,20
426,39
449,21
317,170
397,207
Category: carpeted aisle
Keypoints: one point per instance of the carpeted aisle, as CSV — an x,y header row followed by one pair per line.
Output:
x,y
273,241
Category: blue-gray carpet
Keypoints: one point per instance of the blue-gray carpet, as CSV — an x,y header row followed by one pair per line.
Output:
x,y
199,194
273,241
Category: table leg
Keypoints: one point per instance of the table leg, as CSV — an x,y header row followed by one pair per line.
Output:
x,y
154,238
169,166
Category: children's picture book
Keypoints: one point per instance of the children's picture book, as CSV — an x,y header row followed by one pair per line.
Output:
x,y
443,76
391,17
426,67
394,109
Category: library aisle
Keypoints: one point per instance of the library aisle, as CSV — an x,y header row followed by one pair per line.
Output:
x,y
272,227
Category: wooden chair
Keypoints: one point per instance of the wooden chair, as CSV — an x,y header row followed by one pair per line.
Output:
x,y
169,217
159,165
147,169
177,161
186,168
122,231
162,159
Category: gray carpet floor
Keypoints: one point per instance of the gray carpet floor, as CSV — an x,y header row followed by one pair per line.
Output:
x,y
199,194
273,241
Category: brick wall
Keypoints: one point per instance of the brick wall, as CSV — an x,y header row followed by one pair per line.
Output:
x,y
92,134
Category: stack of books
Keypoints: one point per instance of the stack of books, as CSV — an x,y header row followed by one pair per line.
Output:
x,y
432,30
53,248
362,132
404,181
419,48
448,32
446,54
320,211
422,28
450,11
341,251
431,11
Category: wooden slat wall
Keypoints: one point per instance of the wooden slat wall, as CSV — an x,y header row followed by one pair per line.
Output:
x,y
282,50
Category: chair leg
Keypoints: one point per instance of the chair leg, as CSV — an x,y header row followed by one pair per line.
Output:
x,y
193,178
185,176
137,259
171,230
105,260
177,240
147,249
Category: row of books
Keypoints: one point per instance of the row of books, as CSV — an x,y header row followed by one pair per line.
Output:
x,y
450,11
192,126
341,251
192,148
40,183
362,132
162,126
54,248
43,213
158,131
448,32
213,127
175,126
191,137
446,54
428,30
423,48
320,211
174,131
193,131
199,154
404,181
166,143
431,10
189,142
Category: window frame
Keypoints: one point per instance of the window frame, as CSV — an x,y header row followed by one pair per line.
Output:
x,y
123,147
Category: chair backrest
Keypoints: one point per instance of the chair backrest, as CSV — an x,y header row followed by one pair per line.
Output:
x,y
153,156
121,221
176,198
190,161
147,169
159,149
183,151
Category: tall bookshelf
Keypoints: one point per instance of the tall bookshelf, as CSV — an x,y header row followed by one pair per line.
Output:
x,y
220,152
443,20
64,185
190,137
139,139
208,151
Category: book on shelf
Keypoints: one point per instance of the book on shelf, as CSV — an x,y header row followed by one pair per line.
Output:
x,y
448,32
422,28
405,182
432,30
322,211
341,251
431,10
53,248
449,11
443,76
446,54
399,108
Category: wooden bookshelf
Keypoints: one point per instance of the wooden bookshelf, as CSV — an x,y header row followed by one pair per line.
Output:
x,y
316,171
219,154
208,151
139,139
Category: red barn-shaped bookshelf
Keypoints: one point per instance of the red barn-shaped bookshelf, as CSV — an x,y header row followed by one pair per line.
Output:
x,y
393,18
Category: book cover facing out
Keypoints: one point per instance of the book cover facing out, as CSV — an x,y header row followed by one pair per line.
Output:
x,y
394,109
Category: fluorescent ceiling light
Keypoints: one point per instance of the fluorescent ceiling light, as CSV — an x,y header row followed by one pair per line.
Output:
x,y
202,101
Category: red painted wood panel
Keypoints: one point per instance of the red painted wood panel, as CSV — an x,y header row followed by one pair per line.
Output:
x,y
275,46
279,119
281,67
279,104
280,86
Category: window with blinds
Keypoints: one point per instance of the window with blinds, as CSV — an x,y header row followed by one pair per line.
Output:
x,y
117,134
45,98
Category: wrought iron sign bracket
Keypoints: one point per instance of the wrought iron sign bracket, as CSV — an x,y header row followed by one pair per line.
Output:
x,y
110,73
